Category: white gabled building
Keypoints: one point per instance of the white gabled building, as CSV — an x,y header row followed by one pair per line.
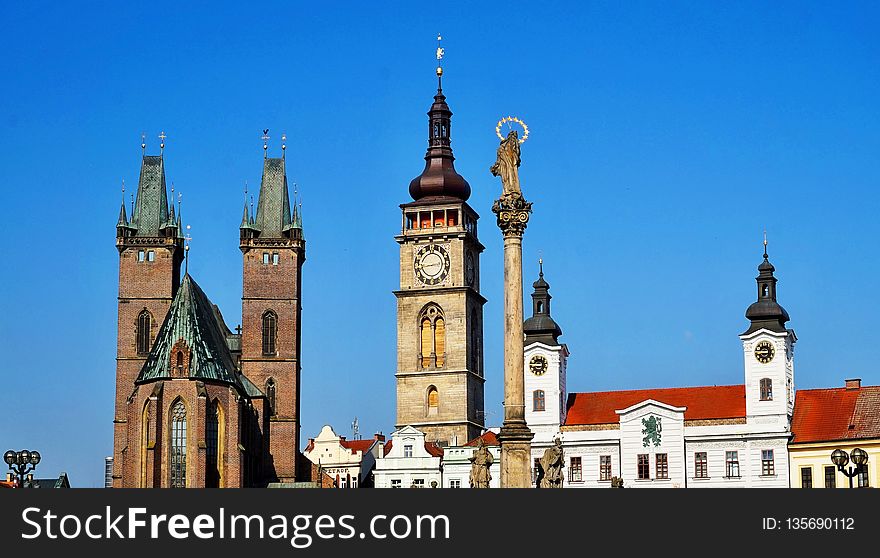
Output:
x,y
349,463
710,436
409,462
457,461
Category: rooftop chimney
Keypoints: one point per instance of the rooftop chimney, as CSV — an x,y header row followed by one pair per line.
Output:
x,y
379,436
854,383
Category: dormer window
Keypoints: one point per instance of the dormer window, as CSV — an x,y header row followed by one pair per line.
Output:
x,y
766,389
407,451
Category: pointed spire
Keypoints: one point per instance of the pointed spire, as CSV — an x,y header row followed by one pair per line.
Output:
x,y
273,216
149,213
766,312
541,327
123,218
245,218
439,178
171,220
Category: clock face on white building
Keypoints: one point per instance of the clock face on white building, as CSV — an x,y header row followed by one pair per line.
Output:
x,y
431,264
538,365
764,352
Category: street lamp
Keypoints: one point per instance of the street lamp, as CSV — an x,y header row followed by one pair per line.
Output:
x,y
859,458
22,462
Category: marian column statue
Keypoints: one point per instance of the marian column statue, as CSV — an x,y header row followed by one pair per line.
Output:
x,y
512,212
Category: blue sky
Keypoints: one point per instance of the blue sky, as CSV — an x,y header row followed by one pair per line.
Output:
x,y
664,138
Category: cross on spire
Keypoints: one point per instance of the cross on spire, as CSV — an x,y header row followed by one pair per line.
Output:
x,y
144,142
187,240
765,244
162,137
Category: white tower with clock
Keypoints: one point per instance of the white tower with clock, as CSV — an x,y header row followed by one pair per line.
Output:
x,y
545,368
768,348
439,306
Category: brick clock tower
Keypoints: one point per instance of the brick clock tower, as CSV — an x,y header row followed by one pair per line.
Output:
x,y
439,306
274,251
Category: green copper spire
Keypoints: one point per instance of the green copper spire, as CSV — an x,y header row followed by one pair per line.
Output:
x,y
150,214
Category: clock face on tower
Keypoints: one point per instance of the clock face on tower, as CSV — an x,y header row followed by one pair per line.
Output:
x,y
538,365
431,264
764,352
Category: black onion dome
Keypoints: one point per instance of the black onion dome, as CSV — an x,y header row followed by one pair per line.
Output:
x,y
766,312
439,179
541,327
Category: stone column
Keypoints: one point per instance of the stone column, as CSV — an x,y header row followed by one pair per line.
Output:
x,y
512,211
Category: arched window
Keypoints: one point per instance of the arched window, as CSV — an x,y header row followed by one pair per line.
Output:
x,y
433,401
432,337
766,389
145,442
765,289
270,396
178,444
538,400
270,330
212,446
143,332
540,307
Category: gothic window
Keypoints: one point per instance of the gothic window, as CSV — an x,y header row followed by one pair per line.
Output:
x,y
212,445
270,395
432,337
270,330
145,442
178,445
433,400
538,400
766,389
144,323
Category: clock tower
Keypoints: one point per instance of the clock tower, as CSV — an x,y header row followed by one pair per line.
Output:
x,y
439,306
768,349
544,368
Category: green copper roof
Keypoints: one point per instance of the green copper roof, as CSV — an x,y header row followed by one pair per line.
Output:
x,y
273,209
150,213
193,319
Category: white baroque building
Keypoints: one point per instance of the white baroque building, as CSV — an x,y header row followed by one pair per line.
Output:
x,y
710,436
348,462
457,461
409,462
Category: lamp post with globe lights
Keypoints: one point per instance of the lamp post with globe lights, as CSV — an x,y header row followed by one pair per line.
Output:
x,y
859,458
22,463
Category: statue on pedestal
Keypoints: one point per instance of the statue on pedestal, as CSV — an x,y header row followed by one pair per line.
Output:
x,y
507,165
481,461
550,466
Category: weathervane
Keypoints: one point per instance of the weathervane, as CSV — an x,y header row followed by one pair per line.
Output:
x,y
440,53
765,243
265,139
187,240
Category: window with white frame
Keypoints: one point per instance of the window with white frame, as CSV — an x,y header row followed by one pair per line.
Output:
x,y
768,466
604,467
731,460
701,465
407,451
454,483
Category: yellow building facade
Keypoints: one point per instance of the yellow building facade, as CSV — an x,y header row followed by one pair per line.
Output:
x,y
829,419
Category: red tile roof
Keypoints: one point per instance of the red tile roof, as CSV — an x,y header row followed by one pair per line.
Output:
x,y
357,445
824,415
489,439
432,448
706,402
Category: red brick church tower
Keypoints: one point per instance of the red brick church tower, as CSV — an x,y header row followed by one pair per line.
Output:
x,y
196,404
273,250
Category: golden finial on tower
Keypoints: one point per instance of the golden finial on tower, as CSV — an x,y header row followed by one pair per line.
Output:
x,y
283,145
440,53
144,142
